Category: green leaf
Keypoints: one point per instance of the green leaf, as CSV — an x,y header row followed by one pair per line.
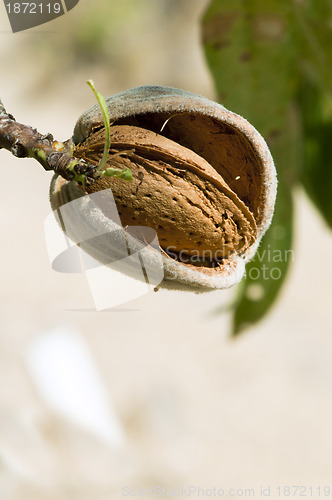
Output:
x,y
260,51
314,40
251,51
266,273
317,138
271,63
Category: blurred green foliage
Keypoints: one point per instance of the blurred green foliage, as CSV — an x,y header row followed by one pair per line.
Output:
x,y
316,175
121,45
271,63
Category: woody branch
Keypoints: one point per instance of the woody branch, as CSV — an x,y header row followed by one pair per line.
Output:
x,y
23,141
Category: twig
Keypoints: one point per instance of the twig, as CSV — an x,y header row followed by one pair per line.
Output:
x,y
24,141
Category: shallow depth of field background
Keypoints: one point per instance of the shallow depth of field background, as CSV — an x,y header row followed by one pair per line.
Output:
x,y
185,404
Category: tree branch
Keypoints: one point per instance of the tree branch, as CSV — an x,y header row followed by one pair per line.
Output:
x,y
24,141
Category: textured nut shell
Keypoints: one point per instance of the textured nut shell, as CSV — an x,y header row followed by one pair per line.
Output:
x,y
89,220
179,195
222,137
167,100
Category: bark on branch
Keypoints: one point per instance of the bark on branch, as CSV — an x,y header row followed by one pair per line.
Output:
x,y
24,141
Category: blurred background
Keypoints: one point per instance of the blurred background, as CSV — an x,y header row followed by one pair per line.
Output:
x,y
96,405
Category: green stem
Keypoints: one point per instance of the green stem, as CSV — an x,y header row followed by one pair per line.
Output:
x,y
104,109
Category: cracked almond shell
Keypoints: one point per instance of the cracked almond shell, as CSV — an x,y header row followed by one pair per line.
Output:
x,y
203,179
